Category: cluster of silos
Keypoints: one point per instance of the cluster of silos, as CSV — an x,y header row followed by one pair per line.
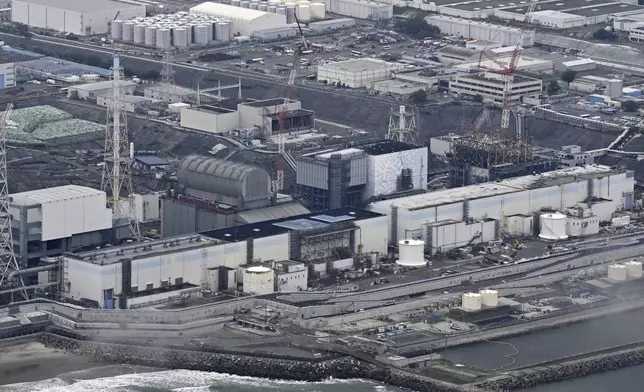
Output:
x,y
303,9
167,31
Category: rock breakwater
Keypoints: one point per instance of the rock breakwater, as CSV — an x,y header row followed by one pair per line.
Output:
x,y
246,365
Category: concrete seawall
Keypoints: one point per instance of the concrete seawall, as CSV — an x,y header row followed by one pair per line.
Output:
x,y
246,365
566,370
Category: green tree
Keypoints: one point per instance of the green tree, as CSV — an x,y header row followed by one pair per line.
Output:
x,y
416,27
478,98
629,106
553,87
418,96
568,76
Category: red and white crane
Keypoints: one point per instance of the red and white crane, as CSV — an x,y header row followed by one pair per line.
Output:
x,y
278,181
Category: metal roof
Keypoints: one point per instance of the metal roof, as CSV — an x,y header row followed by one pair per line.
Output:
x,y
210,8
58,193
104,85
272,213
150,160
84,5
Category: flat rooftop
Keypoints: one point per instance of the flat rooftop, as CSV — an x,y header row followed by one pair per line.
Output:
x,y
85,5
518,184
517,78
556,5
469,22
458,51
135,251
210,109
387,147
318,220
607,9
344,152
524,62
482,5
58,193
362,64
106,84
264,103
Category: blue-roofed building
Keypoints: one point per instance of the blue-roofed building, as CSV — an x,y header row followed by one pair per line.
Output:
x,y
150,162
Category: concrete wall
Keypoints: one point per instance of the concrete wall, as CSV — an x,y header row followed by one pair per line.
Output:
x,y
207,121
178,218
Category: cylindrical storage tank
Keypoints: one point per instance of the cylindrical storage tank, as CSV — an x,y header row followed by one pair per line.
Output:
x,y
226,34
151,36
271,9
411,253
252,6
290,14
117,29
244,4
318,11
210,33
163,39
200,35
219,32
553,227
180,37
262,7
303,13
281,11
259,280
236,3
489,298
617,272
471,301
274,2
128,31
139,34
633,269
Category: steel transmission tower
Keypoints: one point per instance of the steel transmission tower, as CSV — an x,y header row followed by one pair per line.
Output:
x,y
117,178
9,266
402,126
167,72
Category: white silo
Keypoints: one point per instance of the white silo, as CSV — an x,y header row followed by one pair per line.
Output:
x,y
271,8
163,39
200,35
471,301
180,37
281,11
139,34
151,35
262,7
553,226
411,253
210,34
117,29
253,6
128,31
259,280
244,4
226,33
489,298
303,13
617,272
633,269
318,11
219,33
290,14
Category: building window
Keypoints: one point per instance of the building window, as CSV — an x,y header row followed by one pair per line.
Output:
x,y
178,281
134,289
149,286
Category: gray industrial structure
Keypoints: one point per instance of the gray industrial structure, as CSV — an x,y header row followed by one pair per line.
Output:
x,y
214,193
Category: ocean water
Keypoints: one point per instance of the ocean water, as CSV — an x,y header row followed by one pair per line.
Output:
x,y
184,381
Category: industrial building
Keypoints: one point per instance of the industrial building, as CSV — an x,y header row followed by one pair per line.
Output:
x,y
168,93
524,64
490,86
451,210
131,103
48,222
87,17
360,9
261,258
357,73
213,193
244,21
104,88
348,177
7,75
259,115
506,36
456,54
331,24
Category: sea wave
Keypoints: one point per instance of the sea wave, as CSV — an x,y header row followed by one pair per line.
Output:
x,y
184,381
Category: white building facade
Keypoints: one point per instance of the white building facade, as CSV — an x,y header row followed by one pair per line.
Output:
x,y
7,75
490,86
358,72
506,36
244,21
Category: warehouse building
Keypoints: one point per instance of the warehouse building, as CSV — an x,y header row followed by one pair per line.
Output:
x,y
360,9
244,21
420,216
104,88
331,24
259,115
168,93
348,177
86,17
456,54
48,222
130,103
213,193
524,64
506,36
490,86
357,73
7,75
154,272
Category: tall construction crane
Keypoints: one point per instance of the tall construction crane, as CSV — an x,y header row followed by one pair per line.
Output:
x,y
507,71
10,281
278,182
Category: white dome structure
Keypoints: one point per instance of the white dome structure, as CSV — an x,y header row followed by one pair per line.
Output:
x,y
553,227
617,272
411,253
471,301
633,269
489,298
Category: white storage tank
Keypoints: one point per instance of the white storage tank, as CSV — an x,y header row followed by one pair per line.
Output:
x,y
201,35
259,280
226,34
252,6
281,11
244,4
617,272
411,253
553,227
303,13
290,14
236,3
489,297
633,269
318,11
180,37
303,2
163,39
271,9
139,34
151,36
117,29
262,7
471,301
